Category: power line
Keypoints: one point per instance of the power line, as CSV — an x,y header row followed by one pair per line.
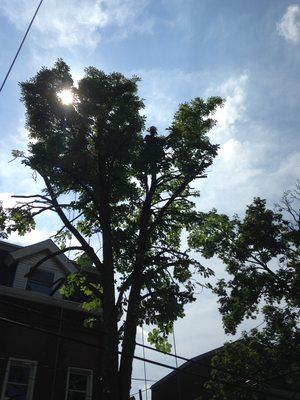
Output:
x,y
47,332
21,45
189,360
31,327
201,363
66,368
142,391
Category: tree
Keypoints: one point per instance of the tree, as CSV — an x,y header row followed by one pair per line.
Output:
x,y
261,254
136,193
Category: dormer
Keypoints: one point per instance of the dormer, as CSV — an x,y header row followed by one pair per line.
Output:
x,y
47,276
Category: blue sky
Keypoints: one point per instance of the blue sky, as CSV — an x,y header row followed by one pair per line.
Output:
x,y
246,51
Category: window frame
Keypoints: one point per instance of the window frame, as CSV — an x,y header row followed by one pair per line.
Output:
x,y
32,375
31,278
85,372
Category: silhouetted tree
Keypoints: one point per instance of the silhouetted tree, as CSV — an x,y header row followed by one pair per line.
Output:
x,y
103,178
262,257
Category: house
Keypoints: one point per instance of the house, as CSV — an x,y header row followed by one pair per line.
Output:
x,y
188,382
46,352
185,385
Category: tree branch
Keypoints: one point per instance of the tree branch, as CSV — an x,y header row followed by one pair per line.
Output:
x,y
266,268
188,179
31,197
48,257
86,247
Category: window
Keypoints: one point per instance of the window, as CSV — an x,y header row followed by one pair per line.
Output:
x,y
19,380
79,384
41,281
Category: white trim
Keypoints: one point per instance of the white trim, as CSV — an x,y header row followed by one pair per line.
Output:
x,y
31,383
39,247
85,372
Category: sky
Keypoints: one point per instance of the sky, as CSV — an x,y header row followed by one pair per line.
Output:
x,y
245,51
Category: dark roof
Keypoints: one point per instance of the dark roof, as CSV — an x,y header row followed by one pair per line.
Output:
x,y
192,362
6,246
7,274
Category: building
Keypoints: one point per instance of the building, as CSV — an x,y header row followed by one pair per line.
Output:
x,y
185,385
46,352
188,383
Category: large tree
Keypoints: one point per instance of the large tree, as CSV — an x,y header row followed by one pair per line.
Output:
x,y
103,176
262,258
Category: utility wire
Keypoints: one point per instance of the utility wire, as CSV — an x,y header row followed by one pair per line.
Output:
x,y
66,368
35,328
142,391
20,47
143,380
189,360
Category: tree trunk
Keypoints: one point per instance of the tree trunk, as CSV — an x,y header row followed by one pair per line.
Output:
x,y
110,321
128,345
110,364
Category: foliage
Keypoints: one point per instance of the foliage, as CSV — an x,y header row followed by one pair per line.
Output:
x,y
261,255
104,177
15,220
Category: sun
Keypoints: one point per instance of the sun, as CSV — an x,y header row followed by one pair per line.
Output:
x,y
66,96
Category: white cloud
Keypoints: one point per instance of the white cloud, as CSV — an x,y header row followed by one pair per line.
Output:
x,y
165,89
248,163
15,177
71,23
289,25
7,200
234,109
233,90
38,235
46,224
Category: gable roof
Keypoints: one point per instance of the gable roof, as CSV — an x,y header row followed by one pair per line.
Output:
x,y
47,245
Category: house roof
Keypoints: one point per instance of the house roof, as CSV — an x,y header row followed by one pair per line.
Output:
x,y
191,362
11,254
8,247
7,274
48,245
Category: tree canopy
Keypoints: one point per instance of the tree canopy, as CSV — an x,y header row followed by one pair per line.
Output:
x,y
261,254
103,176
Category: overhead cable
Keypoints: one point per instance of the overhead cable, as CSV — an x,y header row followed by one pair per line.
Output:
x,y
21,45
188,360
35,328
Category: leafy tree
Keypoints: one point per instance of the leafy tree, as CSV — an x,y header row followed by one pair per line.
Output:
x,y
103,177
261,254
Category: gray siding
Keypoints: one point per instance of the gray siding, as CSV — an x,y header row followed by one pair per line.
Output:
x,y
25,264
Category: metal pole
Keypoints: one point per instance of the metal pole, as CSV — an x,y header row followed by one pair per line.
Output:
x,y
140,395
176,363
145,368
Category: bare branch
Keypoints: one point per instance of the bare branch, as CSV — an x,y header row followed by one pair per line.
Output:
x,y
31,196
86,247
